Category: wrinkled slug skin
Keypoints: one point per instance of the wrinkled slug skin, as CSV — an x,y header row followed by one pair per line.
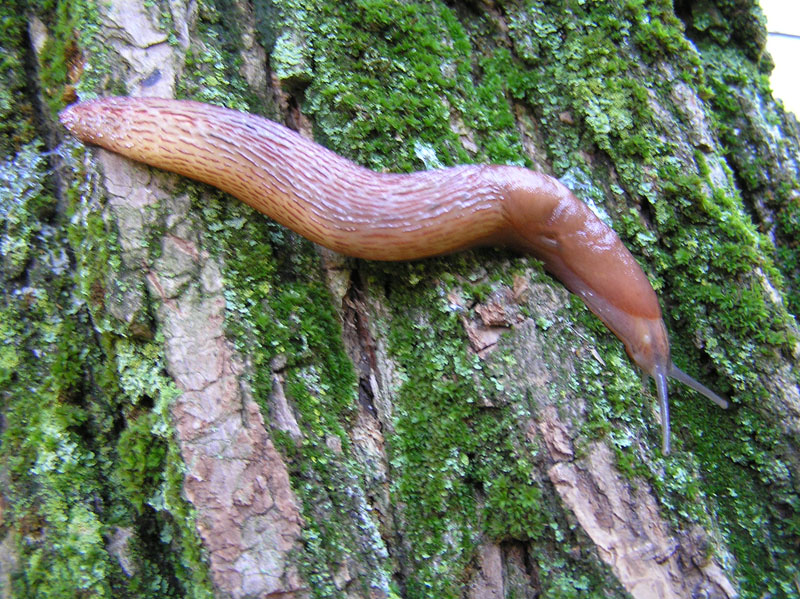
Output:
x,y
378,216
300,184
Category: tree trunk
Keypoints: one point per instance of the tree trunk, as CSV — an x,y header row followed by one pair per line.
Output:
x,y
197,402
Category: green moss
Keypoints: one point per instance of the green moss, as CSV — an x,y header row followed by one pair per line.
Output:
x,y
408,72
142,457
436,443
709,236
72,59
215,66
746,475
464,468
746,124
728,23
16,109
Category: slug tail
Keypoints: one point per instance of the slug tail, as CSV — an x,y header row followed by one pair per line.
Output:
x,y
679,375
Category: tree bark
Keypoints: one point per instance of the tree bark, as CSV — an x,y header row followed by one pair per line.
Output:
x,y
196,402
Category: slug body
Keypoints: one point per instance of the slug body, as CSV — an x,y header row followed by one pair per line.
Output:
x,y
355,211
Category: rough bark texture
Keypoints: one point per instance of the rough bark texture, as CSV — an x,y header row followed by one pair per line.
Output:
x,y
199,403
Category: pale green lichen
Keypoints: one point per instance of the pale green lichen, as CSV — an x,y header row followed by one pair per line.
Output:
x,y
290,60
23,201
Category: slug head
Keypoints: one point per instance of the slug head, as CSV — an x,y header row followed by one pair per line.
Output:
x,y
589,258
647,344
648,347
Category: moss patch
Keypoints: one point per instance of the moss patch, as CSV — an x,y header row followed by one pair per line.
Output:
x,y
16,107
464,470
699,235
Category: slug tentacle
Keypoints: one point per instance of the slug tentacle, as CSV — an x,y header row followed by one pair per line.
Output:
x,y
350,209
679,375
663,402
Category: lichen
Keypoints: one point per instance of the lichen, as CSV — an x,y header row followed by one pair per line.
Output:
x,y
705,236
80,418
465,471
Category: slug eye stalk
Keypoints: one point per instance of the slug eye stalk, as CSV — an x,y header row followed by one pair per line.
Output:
x,y
660,375
663,402
679,375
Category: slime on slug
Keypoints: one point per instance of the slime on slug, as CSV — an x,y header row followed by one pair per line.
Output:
x,y
384,216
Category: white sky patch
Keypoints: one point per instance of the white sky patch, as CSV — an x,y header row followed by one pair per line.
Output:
x,y
783,43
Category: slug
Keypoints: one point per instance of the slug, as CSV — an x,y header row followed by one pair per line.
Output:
x,y
383,216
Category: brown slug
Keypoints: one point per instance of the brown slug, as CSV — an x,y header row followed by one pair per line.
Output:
x,y
378,216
